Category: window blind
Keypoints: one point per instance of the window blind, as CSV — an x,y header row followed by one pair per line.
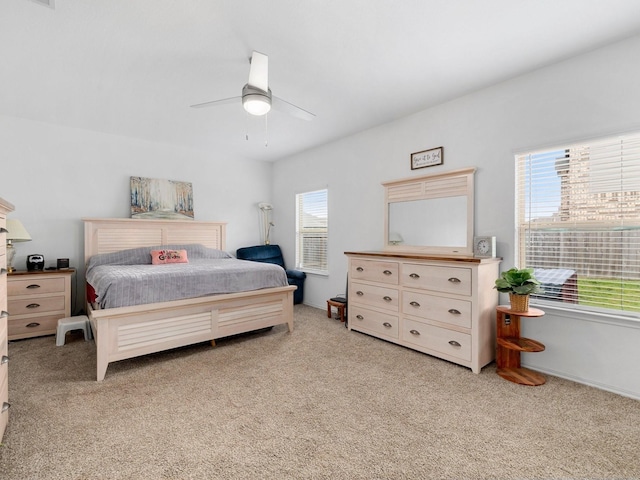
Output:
x,y
312,231
578,222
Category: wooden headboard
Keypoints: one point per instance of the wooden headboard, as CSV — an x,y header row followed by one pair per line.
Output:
x,y
106,235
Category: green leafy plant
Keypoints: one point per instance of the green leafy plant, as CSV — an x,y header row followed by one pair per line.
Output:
x,y
518,281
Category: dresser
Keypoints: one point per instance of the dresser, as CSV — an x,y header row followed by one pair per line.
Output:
x,y
37,300
440,305
5,208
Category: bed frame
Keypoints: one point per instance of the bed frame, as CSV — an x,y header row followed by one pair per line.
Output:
x,y
128,332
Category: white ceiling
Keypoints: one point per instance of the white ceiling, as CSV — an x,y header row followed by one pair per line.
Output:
x,y
133,67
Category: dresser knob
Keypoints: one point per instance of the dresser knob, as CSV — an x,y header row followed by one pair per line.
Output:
x,y
4,313
387,324
387,272
33,305
414,332
454,343
453,311
360,293
454,280
32,325
387,298
360,269
33,285
4,360
5,407
414,304
414,275
359,317
3,230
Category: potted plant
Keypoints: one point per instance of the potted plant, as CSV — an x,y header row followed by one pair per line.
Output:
x,y
519,284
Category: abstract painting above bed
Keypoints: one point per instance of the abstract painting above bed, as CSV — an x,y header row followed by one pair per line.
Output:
x,y
128,277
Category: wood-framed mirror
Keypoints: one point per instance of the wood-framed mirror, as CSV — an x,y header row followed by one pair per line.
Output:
x,y
430,214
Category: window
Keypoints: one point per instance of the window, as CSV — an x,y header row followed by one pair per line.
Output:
x,y
312,231
578,222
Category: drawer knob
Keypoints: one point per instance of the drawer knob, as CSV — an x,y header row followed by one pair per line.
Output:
x,y
454,280
4,360
414,275
454,343
33,305
5,407
3,230
453,311
359,317
387,272
414,304
387,298
360,293
414,332
4,313
32,325
387,324
360,269
33,285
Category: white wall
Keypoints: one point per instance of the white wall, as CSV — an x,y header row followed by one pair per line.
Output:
x,y
588,96
55,176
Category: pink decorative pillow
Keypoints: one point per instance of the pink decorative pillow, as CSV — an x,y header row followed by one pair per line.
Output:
x,y
159,257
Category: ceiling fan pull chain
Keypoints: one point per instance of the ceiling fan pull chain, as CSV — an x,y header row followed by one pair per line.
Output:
x,y
246,127
266,131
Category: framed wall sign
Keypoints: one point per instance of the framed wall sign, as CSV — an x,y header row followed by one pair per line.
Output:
x,y
427,158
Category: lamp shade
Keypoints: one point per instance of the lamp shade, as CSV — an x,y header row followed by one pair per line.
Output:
x,y
16,231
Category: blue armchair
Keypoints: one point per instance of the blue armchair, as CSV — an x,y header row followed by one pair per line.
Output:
x,y
273,254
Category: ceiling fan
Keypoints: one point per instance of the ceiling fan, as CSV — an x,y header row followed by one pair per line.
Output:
x,y
256,94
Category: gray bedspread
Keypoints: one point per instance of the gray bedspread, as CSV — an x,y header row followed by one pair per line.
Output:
x,y
120,279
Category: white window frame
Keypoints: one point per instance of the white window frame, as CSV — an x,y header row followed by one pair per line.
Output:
x,y
578,222
312,255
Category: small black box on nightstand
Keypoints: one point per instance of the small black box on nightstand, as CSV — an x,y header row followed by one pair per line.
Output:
x,y
63,263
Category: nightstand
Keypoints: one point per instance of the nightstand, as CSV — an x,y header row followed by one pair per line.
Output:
x,y
37,300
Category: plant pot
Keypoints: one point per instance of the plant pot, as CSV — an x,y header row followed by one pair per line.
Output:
x,y
519,303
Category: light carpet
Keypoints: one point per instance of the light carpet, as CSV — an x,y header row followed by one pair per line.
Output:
x,y
318,403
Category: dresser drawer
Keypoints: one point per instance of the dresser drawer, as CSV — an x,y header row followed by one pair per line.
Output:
x,y
35,305
35,286
372,295
375,322
439,279
33,326
374,271
441,309
441,340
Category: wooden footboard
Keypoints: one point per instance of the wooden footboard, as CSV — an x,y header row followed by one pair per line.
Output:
x,y
129,332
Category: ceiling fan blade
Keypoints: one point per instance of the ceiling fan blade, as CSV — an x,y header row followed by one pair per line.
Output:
x,y
259,71
223,101
291,109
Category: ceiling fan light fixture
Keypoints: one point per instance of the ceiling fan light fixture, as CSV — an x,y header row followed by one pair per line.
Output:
x,y
255,101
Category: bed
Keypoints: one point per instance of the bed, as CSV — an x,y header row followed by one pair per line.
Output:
x,y
131,331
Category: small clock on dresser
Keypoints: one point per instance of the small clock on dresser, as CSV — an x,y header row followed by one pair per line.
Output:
x,y
484,247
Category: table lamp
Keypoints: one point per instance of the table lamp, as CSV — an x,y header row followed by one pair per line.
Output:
x,y
15,233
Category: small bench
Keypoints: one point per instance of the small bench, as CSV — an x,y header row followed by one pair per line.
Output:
x,y
80,322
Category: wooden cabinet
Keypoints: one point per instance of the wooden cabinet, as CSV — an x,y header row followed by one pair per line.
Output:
x,y
37,300
5,208
440,305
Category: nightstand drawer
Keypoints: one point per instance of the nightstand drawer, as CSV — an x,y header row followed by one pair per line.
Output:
x,y
35,305
34,326
35,286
